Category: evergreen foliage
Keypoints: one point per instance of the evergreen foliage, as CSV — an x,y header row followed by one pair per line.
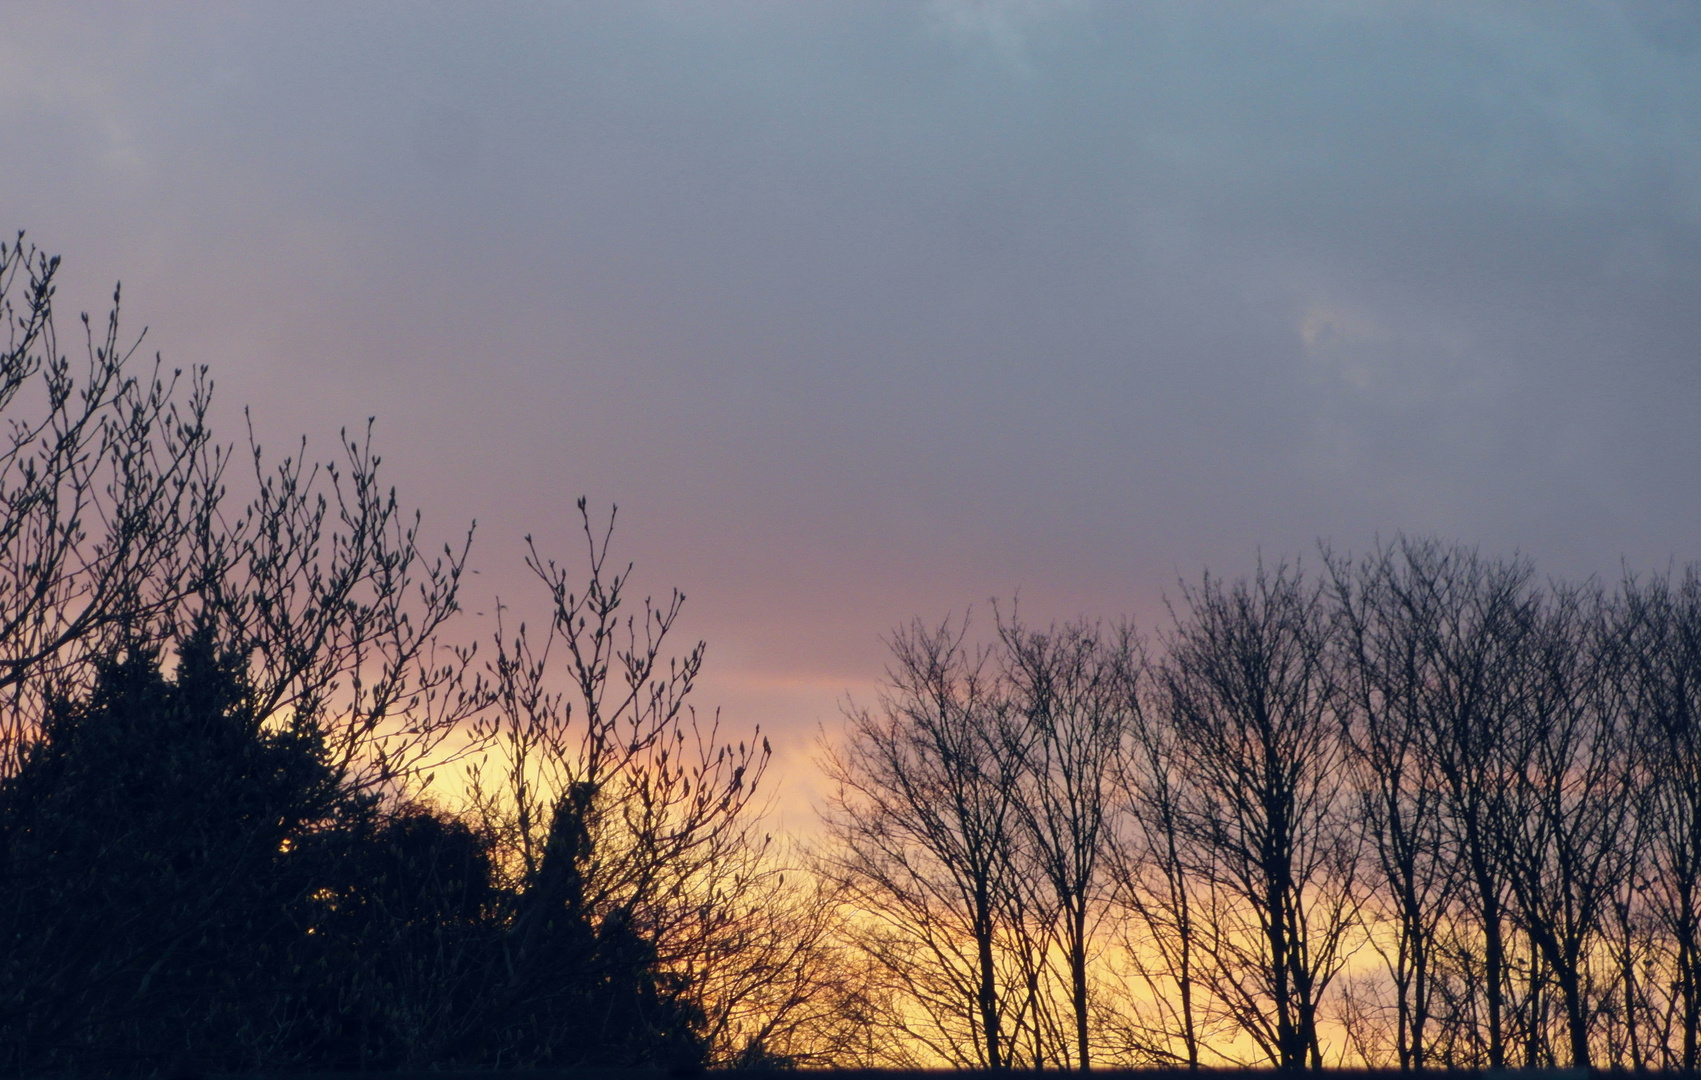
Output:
x,y
188,886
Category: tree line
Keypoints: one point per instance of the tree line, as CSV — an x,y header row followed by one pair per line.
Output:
x,y
1415,809
262,807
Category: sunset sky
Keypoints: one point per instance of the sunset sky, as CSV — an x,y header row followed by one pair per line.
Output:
x,y
865,311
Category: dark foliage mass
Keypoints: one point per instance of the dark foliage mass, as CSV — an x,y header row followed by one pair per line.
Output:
x,y
188,888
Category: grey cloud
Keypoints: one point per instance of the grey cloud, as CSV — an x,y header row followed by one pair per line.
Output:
x,y
866,311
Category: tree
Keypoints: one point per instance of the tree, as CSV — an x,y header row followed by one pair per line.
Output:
x,y
1472,619
117,532
1388,608
155,843
1655,637
775,981
1571,804
1158,873
611,800
1250,692
925,825
109,486
1074,690
290,899
400,931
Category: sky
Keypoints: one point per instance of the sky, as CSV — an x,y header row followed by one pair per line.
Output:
x,y
862,312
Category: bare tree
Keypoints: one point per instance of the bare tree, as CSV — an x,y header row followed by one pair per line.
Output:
x,y
1385,607
330,592
1658,632
116,532
599,763
1488,781
1571,802
1157,872
1074,688
109,483
777,983
1470,618
1249,689
924,827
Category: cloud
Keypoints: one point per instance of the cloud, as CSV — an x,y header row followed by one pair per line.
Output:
x,y
1005,29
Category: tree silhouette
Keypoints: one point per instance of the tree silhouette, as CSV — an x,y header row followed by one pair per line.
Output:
x,y
925,828
156,846
229,867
